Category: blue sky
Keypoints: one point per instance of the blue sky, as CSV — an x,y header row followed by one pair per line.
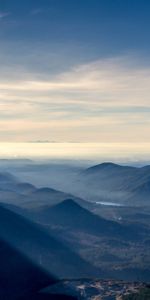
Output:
x,y
95,28
75,70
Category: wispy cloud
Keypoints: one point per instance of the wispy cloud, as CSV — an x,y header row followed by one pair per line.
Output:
x,y
105,100
36,11
4,14
105,83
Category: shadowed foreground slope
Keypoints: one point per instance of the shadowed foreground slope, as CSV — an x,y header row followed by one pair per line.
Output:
x,y
43,249
18,275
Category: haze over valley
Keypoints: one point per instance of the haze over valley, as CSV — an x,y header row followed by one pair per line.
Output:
x,y
98,216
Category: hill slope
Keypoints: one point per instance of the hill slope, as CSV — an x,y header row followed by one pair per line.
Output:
x,y
18,275
112,182
69,214
39,246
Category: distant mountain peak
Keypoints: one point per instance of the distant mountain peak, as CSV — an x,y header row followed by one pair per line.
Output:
x,y
103,166
69,203
7,177
110,166
45,190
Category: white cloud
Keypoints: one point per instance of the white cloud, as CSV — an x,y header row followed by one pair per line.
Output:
x,y
103,100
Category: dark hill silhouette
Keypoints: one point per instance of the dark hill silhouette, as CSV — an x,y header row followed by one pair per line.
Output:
x,y
45,190
45,296
39,246
69,214
42,197
18,275
103,166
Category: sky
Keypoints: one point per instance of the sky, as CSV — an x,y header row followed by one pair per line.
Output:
x,y
75,71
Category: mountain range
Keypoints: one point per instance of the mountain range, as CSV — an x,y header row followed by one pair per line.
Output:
x,y
116,183
69,234
40,247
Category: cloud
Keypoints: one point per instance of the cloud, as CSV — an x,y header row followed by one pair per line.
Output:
x,y
4,14
36,11
105,100
111,80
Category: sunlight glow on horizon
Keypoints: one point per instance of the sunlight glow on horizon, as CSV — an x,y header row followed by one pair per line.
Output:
x,y
104,100
71,74
93,151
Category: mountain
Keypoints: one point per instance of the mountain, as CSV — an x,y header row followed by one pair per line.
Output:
x,y
21,279
9,182
19,276
112,182
24,194
142,191
103,182
57,174
63,234
48,195
7,179
110,246
44,296
104,166
42,197
40,247
12,190
24,188
69,214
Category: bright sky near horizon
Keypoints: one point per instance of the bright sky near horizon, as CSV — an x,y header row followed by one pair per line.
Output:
x,y
75,71
79,152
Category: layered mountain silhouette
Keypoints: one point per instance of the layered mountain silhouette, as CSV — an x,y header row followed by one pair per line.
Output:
x,y
106,181
70,215
58,235
21,279
26,195
112,182
103,182
19,276
40,247
88,234
47,195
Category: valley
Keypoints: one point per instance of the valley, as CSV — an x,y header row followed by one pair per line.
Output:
x,y
69,237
